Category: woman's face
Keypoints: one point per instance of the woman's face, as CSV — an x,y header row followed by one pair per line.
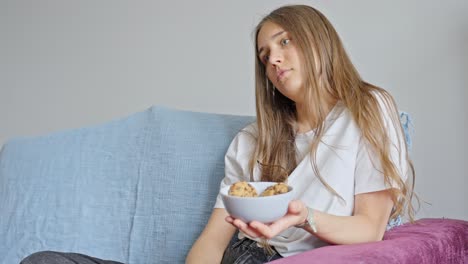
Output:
x,y
277,51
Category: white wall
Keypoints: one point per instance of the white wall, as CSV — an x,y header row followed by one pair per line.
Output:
x,y
67,64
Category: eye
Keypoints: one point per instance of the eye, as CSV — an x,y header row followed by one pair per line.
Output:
x,y
265,59
285,42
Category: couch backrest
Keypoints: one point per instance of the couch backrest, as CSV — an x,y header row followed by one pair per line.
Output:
x,y
136,190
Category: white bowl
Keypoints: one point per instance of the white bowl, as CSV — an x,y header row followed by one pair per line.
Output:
x,y
264,209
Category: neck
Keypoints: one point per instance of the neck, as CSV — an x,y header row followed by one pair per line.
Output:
x,y
306,121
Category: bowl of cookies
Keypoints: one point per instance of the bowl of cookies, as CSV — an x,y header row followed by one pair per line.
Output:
x,y
265,202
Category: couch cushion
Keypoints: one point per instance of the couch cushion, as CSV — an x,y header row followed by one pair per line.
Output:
x,y
124,190
179,182
71,191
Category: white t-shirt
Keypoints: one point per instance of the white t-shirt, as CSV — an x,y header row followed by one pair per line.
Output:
x,y
344,160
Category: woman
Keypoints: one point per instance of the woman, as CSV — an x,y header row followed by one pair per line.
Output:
x,y
333,137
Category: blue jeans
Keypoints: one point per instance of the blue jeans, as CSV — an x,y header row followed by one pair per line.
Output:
x,y
246,251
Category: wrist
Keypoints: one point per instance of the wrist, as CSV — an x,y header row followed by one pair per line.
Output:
x,y
303,215
309,220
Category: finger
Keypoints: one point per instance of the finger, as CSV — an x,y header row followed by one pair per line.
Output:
x,y
246,229
257,225
288,221
295,207
273,229
239,224
265,230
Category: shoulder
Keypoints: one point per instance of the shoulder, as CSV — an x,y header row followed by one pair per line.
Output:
x,y
388,108
248,133
245,139
250,129
385,100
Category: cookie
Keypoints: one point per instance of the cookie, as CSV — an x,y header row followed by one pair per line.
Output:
x,y
242,189
278,188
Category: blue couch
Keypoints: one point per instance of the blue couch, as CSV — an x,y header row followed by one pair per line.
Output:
x,y
136,190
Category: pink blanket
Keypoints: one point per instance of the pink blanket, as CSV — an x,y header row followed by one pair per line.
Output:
x,y
425,241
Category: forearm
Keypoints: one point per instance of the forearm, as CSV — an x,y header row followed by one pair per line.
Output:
x,y
346,229
205,251
368,223
210,246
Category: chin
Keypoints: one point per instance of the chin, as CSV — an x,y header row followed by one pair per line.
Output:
x,y
291,92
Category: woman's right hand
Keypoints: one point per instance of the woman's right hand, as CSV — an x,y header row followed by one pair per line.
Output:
x,y
297,213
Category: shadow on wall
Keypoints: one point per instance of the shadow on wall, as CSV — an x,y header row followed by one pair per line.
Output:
x,y
464,71
464,93
464,83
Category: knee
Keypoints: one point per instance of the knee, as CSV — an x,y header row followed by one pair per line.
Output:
x,y
41,257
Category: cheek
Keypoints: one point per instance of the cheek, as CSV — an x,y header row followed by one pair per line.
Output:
x,y
272,76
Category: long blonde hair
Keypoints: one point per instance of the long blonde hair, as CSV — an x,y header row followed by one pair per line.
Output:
x,y
335,77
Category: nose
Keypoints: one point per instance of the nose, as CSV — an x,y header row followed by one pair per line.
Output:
x,y
276,57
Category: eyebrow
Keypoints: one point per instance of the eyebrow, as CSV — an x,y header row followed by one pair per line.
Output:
x,y
272,37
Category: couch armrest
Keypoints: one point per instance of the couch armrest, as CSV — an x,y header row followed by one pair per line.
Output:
x,y
425,241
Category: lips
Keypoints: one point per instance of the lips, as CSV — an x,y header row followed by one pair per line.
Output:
x,y
280,73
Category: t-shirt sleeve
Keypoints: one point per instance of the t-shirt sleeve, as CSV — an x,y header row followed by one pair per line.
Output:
x,y
369,175
236,161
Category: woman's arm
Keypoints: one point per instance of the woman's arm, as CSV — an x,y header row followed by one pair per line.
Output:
x,y
210,246
367,224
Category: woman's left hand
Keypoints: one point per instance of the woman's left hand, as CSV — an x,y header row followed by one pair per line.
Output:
x,y
297,213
